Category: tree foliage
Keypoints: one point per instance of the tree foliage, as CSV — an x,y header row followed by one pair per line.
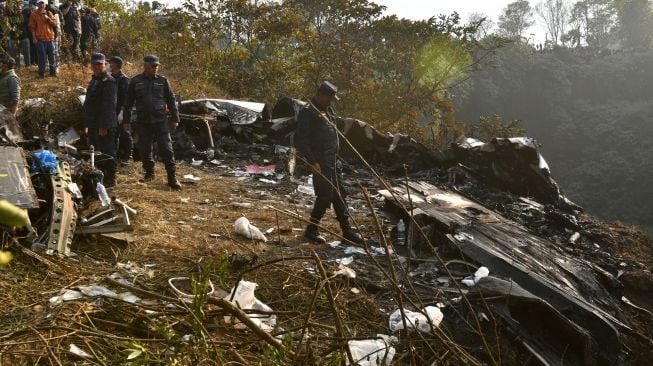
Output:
x,y
635,22
554,13
391,72
515,19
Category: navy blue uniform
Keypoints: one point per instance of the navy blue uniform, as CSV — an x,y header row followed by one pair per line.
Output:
x,y
317,141
125,141
151,96
99,111
89,29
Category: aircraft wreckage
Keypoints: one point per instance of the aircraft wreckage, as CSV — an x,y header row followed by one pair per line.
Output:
x,y
492,204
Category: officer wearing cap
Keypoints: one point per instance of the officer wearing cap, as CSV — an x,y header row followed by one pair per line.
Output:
x,y
99,112
9,85
151,93
125,142
316,140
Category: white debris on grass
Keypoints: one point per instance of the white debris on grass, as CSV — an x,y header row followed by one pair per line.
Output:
x,y
345,271
334,244
373,352
92,291
416,320
243,227
79,352
190,178
354,250
345,261
244,298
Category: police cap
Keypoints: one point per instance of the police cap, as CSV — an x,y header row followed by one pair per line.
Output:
x,y
152,60
116,60
329,89
98,58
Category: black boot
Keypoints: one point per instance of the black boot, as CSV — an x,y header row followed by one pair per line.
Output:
x,y
148,177
126,160
110,179
349,234
313,234
172,180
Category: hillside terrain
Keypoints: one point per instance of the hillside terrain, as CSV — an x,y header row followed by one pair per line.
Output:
x,y
112,303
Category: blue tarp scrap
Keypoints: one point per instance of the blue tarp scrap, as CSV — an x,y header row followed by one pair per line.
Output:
x,y
46,160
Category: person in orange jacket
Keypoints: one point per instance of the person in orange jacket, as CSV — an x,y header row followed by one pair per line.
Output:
x,y
42,24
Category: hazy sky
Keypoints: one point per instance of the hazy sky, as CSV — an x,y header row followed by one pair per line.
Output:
x,y
424,9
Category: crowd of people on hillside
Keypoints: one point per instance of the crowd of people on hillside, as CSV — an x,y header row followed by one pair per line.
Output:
x,y
41,32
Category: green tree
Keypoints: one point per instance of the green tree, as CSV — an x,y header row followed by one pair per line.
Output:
x,y
554,13
515,19
596,20
635,23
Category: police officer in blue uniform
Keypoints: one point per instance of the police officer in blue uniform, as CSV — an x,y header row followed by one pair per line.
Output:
x,y
317,143
125,142
99,111
151,93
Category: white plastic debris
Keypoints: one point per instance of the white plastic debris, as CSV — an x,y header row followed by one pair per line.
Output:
x,y
373,352
186,297
92,291
345,271
307,190
189,178
244,228
194,162
95,290
79,352
481,273
470,281
244,298
345,261
267,181
334,244
354,250
129,297
416,320
574,237
379,250
66,295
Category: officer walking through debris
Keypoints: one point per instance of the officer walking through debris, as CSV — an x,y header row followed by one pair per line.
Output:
x,y
9,85
316,140
151,94
124,137
100,117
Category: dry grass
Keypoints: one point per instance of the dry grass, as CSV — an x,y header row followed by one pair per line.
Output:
x,y
172,236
